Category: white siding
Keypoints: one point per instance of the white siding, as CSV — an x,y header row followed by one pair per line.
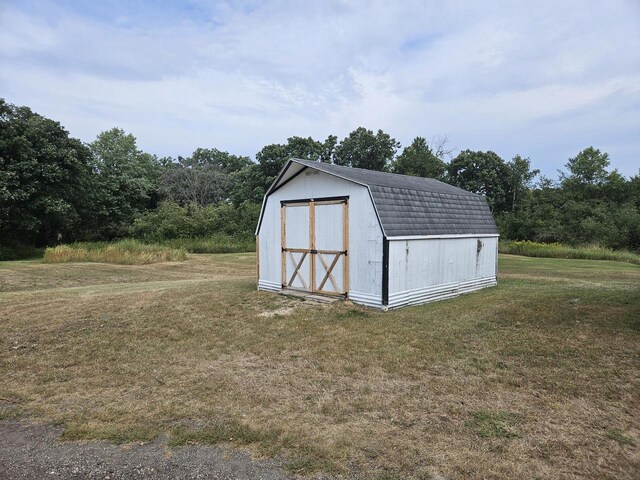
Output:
x,y
365,235
422,270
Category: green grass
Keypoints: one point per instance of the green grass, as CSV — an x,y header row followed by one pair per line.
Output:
x,y
556,250
619,437
487,423
123,252
535,378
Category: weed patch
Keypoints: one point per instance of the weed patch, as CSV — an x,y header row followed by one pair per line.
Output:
x,y
619,437
124,252
302,465
557,250
487,423
222,432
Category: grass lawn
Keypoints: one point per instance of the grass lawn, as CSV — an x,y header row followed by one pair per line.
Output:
x,y
536,378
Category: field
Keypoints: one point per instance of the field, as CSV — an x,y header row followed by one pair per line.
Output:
x,y
536,378
558,250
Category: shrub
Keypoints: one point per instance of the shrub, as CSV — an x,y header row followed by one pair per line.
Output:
x,y
171,221
214,244
19,252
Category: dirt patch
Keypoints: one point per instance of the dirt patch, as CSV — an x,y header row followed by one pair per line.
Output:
x,y
282,311
287,305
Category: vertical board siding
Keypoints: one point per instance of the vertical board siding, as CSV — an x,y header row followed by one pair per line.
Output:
x,y
364,235
430,269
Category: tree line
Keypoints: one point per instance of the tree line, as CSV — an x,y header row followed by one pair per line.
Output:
x,y
55,188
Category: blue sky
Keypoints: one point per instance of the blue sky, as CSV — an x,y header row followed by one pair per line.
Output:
x,y
539,79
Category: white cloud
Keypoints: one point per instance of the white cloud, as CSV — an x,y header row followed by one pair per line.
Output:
x,y
238,76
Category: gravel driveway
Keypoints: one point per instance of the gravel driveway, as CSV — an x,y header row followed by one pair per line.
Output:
x,y
33,451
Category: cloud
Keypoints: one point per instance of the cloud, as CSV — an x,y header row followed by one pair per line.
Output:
x,y
541,79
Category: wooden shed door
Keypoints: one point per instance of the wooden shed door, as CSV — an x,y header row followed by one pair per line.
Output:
x,y
315,245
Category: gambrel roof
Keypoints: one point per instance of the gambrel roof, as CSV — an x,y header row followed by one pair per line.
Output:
x,y
407,205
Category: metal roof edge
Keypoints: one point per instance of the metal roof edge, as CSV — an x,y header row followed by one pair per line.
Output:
x,y
268,192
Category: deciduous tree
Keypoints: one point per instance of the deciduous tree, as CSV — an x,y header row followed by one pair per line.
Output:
x,y
364,149
484,173
45,179
125,180
419,159
589,167
206,177
520,176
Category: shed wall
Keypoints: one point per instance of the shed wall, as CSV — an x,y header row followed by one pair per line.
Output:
x,y
432,269
365,234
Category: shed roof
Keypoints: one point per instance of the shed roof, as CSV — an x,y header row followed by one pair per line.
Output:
x,y
408,205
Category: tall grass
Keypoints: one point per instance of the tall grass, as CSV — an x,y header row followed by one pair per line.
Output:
x,y
123,252
556,250
135,252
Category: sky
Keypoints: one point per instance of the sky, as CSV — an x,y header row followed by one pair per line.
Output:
x,y
540,79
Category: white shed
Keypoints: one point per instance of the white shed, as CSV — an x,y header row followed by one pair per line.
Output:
x,y
378,239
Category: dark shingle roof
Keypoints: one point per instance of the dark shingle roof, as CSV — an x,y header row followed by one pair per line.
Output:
x,y
409,205
419,212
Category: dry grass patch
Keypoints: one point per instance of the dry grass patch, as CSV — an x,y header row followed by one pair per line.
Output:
x,y
536,378
34,275
124,252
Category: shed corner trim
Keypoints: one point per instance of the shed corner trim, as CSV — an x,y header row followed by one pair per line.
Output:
x,y
385,271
